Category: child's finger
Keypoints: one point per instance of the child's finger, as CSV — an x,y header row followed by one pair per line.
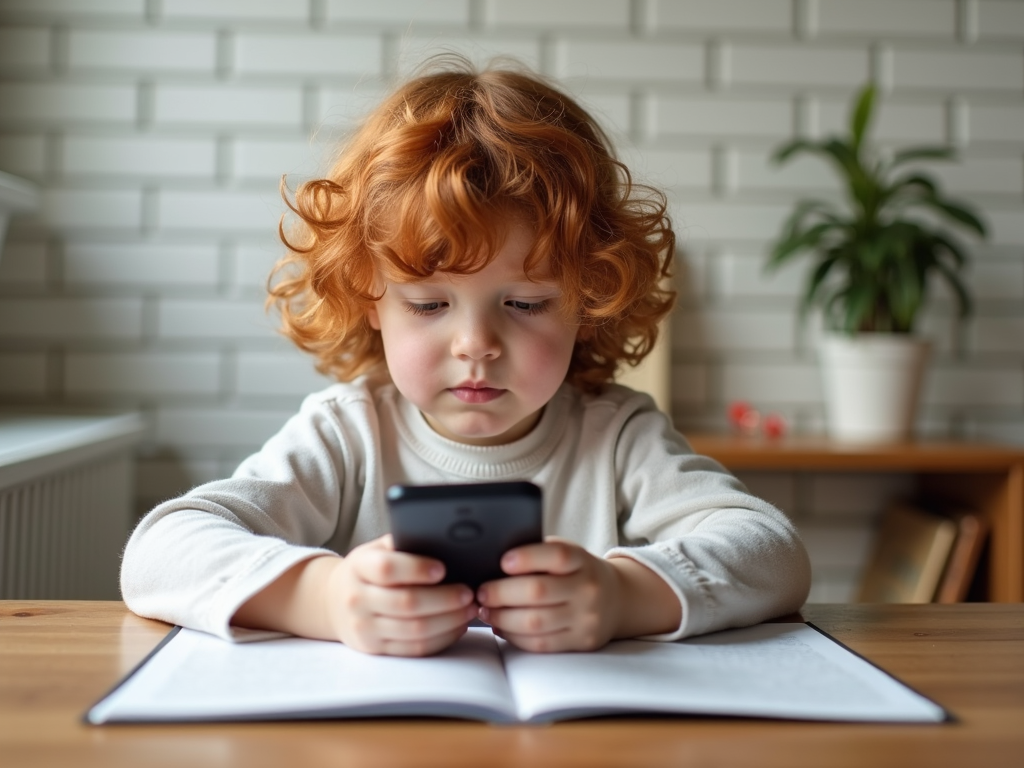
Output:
x,y
414,602
521,591
529,621
387,568
552,556
553,642
424,627
422,647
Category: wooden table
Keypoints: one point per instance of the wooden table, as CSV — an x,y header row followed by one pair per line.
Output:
x,y
985,477
57,658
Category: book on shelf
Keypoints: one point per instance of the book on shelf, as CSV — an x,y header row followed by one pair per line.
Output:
x,y
774,670
971,533
921,555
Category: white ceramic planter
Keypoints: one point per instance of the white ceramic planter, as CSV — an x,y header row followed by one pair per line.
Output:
x,y
872,385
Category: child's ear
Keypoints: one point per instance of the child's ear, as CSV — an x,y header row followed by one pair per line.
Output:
x,y
372,317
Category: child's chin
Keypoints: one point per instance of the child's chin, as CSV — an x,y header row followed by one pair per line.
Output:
x,y
487,433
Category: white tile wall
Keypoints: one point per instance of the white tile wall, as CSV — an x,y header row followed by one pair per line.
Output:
x,y
23,155
575,14
268,159
735,329
291,373
164,479
23,374
414,48
968,70
1006,226
889,18
303,54
893,121
400,12
228,105
158,132
797,65
616,60
253,264
213,319
772,384
24,48
205,427
92,208
24,264
60,319
152,156
148,373
728,16
725,117
235,10
950,386
54,103
138,51
72,9
220,210
999,280
1000,19
991,122
146,264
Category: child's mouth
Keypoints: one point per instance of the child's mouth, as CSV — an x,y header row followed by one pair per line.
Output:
x,y
476,395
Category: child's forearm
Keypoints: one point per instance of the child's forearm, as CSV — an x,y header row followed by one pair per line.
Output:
x,y
295,602
648,606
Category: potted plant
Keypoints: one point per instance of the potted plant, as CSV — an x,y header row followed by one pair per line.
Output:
x,y
874,258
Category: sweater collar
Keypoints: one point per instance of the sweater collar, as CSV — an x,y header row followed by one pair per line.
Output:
x,y
513,460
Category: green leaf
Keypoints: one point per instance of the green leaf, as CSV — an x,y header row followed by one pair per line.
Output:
x,y
860,300
956,212
786,151
918,180
797,242
815,282
861,116
906,293
964,305
952,247
922,153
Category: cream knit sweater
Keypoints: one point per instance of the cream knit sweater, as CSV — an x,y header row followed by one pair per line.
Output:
x,y
617,479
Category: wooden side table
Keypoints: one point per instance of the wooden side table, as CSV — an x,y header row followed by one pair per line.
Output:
x,y
986,477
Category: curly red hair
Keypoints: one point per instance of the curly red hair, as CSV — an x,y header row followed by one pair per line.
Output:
x,y
430,182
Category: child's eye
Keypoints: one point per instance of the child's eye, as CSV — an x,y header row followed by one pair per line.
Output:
x,y
427,308
529,308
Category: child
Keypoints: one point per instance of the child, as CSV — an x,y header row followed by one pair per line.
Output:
x,y
473,271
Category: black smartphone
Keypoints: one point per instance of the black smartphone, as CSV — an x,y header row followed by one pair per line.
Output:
x,y
467,527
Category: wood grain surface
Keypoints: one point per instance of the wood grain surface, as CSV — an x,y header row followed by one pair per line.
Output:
x,y
58,658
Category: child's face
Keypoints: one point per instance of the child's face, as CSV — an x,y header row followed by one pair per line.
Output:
x,y
481,354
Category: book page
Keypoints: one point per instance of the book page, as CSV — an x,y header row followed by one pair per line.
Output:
x,y
197,676
770,670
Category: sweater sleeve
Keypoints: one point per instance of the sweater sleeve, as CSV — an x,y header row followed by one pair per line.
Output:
x,y
196,559
731,558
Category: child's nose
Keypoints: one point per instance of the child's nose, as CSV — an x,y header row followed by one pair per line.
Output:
x,y
476,341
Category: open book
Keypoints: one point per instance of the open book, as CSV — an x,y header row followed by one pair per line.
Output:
x,y
770,670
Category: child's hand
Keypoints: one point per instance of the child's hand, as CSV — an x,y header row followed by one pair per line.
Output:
x,y
386,602
558,597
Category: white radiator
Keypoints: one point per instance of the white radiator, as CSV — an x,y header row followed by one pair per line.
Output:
x,y
66,490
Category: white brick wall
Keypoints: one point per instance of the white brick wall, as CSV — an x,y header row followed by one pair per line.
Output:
x,y
137,51
934,19
449,13
156,267
158,132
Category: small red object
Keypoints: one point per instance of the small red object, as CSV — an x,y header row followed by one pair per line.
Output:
x,y
774,426
744,418
737,410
